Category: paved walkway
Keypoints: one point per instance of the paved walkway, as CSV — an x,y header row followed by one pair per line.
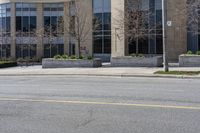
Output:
x,y
104,71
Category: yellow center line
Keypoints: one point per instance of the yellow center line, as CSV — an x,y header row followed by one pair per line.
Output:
x,y
104,103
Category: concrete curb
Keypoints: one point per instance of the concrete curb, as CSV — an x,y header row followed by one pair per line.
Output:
x,y
111,75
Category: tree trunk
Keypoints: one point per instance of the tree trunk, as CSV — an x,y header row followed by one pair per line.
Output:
x,y
137,45
79,47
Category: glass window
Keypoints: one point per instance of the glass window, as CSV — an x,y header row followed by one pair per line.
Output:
x,y
102,29
54,24
98,45
98,21
158,4
144,5
53,18
107,44
143,46
193,37
159,44
19,23
98,6
107,21
107,5
152,44
25,23
8,24
26,51
50,50
5,22
32,23
26,19
4,51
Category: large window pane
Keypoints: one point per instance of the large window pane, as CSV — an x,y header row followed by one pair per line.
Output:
x,y
47,51
143,46
26,51
4,51
32,23
25,23
107,44
107,21
152,44
98,21
19,24
159,44
102,19
98,44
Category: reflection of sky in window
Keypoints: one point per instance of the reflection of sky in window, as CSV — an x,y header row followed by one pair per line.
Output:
x,y
100,6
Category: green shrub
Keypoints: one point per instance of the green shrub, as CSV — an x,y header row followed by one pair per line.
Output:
x,y
65,56
57,57
73,57
198,52
89,57
140,55
81,57
133,55
4,64
189,52
20,60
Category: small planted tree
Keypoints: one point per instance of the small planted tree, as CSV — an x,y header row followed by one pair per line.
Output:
x,y
193,16
79,24
50,35
134,22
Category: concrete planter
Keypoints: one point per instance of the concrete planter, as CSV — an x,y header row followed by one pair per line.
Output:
x,y
55,63
128,61
189,61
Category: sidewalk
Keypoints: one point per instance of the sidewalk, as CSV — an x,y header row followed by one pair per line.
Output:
x,y
104,71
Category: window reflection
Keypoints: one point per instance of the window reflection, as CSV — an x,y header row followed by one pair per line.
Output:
x,y
5,29
152,42
102,33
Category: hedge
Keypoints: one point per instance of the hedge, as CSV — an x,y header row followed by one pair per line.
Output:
x,y
4,64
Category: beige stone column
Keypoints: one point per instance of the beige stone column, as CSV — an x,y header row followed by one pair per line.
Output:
x,y
66,28
177,32
40,30
118,38
13,30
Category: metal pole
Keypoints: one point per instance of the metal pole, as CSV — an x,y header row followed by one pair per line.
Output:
x,y
164,18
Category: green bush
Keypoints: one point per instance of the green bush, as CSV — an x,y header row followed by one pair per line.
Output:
x,y
89,57
4,64
198,52
140,55
65,56
73,57
189,52
57,57
133,55
20,60
136,55
81,57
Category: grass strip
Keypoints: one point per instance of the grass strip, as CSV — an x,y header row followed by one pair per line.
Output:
x,y
179,72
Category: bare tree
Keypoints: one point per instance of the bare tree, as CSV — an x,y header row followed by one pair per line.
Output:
x,y
51,34
79,24
193,15
133,22
4,48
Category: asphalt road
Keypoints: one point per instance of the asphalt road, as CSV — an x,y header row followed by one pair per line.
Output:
x,y
60,104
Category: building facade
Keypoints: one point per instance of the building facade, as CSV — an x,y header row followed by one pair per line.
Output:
x,y
26,26
176,32
39,29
